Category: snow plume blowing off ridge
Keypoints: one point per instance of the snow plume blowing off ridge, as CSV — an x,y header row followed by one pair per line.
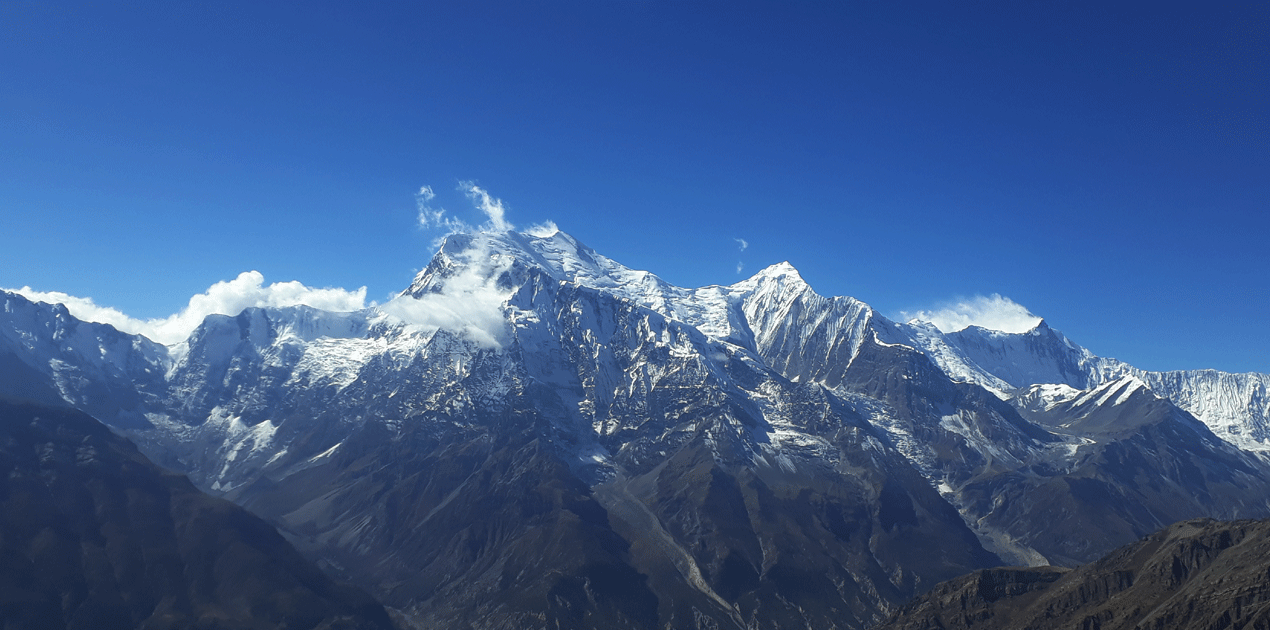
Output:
x,y
470,303
223,298
994,312
436,218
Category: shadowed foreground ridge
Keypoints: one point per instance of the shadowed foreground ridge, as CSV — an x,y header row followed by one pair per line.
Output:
x,y
93,535
1197,574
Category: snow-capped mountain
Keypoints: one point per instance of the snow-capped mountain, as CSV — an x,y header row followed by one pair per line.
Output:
x,y
531,431
49,355
1234,406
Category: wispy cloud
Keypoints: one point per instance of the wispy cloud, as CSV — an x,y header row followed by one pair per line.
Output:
x,y
470,302
542,230
741,244
492,208
995,312
223,298
434,217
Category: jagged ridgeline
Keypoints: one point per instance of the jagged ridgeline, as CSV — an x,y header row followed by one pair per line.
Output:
x,y
533,435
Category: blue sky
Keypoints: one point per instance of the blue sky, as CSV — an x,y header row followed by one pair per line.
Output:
x,y
1106,167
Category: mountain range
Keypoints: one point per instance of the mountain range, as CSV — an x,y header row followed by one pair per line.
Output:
x,y
533,435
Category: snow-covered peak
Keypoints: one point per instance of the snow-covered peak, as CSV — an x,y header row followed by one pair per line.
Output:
x,y
1046,396
778,270
991,312
781,276
1041,328
1113,407
555,253
1114,392
507,259
1003,361
306,323
45,329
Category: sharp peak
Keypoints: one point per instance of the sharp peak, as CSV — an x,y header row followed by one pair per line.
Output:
x,y
1039,328
783,266
779,270
785,277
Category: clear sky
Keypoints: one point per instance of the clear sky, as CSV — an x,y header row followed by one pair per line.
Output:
x,y
1107,167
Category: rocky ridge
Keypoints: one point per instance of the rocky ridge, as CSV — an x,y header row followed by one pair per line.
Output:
x,y
1197,574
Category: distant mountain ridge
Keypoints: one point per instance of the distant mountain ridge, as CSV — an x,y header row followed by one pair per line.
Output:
x,y
1236,406
745,454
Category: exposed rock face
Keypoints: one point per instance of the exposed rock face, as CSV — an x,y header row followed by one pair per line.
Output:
x,y
480,495
1047,475
1139,463
92,535
1196,575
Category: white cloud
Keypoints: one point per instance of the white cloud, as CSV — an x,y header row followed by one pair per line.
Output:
x,y
470,302
495,212
491,207
431,218
742,244
546,229
995,312
427,215
223,298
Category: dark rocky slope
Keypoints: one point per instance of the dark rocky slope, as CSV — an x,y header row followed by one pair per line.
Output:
x,y
1067,486
93,535
482,523
1199,574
